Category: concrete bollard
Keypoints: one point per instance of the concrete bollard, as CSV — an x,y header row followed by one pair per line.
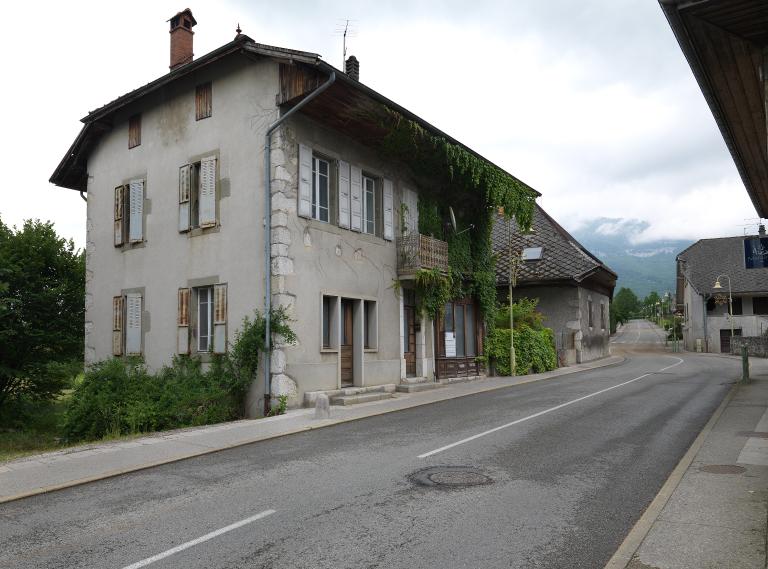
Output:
x,y
322,407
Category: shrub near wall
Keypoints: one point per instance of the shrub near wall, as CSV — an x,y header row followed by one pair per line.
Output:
x,y
534,350
120,396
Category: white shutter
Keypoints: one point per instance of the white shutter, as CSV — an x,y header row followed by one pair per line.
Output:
x,y
343,194
136,221
389,232
220,319
185,173
119,213
133,323
208,192
117,325
182,340
305,181
356,207
410,208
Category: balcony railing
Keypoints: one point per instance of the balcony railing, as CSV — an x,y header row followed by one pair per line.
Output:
x,y
417,251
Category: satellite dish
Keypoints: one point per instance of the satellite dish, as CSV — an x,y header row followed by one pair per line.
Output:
x,y
453,223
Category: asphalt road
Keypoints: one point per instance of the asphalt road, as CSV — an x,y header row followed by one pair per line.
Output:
x,y
571,466
639,332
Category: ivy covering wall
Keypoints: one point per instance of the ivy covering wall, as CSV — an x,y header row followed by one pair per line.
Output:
x,y
451,176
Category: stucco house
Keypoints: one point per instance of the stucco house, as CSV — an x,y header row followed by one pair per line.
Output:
x,y
740,265
573,286
259,176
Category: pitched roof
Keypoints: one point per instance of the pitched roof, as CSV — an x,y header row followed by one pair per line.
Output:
x,y
72,170
563,258
707,259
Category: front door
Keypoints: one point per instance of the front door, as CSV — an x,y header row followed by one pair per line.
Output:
x,y
725,339
409,337
346,342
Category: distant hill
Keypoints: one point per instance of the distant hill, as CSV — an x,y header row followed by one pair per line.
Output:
x,y
643,267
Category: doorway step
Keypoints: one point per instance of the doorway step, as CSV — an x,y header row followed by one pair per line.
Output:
x,y
352,395
416,384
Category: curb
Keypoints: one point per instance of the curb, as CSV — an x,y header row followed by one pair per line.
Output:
x,y
626,551
320,425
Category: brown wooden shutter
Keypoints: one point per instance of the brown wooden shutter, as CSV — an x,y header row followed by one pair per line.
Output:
x,y
220,319
203,101
134,131
183,321
119,213
185,189
117,325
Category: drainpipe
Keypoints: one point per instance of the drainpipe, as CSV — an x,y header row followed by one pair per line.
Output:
x,y
267,234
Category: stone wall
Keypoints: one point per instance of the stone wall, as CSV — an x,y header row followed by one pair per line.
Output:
x,y
757,346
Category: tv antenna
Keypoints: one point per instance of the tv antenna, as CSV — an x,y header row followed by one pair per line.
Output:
x,y
345,28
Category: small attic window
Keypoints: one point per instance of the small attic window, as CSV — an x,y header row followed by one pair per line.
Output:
x,y
532,253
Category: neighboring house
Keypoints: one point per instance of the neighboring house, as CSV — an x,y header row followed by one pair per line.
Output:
x,y
176,248
573,286
706,321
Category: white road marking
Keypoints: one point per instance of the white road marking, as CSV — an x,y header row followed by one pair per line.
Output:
x,y
544,412
199,540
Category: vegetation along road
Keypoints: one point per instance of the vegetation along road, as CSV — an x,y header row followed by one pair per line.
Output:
x,y
546,474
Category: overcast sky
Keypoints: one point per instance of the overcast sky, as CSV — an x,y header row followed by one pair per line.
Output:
x,y
591,102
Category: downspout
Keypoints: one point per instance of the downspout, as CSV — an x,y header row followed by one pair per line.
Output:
x,y
267,234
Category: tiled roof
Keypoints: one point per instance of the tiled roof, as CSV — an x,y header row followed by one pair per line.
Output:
x,y
563,258
706,259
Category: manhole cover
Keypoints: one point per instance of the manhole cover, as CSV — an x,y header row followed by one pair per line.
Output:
x,y
450,477
722,469
754,434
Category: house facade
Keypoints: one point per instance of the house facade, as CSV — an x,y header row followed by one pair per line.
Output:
x,y
740,265
573,287
178,197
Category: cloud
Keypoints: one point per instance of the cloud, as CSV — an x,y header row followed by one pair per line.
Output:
x,y
592,103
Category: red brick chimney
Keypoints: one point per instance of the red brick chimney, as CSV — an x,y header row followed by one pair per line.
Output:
x,y
181,38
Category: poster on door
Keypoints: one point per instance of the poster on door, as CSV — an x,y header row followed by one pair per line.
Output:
x,y
450,345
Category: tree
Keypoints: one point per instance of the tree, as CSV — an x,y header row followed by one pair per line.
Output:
x,y
649,303
42,293
625,305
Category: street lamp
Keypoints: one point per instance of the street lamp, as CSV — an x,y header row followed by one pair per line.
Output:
x,y
718,286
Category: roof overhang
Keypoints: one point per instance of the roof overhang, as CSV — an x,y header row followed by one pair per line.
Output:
x,y
724,42
348,106
72,170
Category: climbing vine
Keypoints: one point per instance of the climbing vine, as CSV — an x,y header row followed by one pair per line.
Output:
x,y
450,175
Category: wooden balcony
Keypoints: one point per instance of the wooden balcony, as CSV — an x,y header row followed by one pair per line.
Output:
x,y
417,251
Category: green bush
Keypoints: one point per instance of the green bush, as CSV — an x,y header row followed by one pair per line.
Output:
x,y
120,396
534,350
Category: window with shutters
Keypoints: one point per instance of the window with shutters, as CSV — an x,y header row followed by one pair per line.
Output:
x,y
320,188
208,318
369,205
589,313
128,213
198,195
127,331
203,101
134,131
204,318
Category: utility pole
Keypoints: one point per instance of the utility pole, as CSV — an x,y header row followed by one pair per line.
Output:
x,y
512,284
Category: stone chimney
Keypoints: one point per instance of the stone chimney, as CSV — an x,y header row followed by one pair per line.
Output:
x,y
352,68
181,38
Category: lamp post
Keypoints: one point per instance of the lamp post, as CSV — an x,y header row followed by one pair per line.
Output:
x,y
718,286
512,283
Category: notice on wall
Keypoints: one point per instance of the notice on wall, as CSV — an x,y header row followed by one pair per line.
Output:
x,y
450,345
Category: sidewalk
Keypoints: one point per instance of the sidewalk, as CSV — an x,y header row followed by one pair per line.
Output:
x,y
711,513
69,467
